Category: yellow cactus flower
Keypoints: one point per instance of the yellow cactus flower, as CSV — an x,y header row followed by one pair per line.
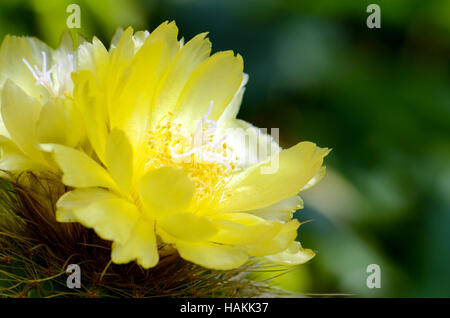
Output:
x,y
36,104
167,167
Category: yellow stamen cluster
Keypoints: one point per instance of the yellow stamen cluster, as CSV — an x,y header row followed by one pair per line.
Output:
x,y
208,162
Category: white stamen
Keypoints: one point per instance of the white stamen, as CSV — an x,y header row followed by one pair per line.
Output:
x,y
200,141
30,68
54,79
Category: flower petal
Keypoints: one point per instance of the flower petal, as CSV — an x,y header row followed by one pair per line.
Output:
x,y
187,227
79,169
60,123
293,255
112,219
185,62
251,189
93,57
116,37
119,159
168,33
93,113
139,39
280,211
232,109
13,159
316,179
140,246
116,76
166,190
242,228
212,255
217,79
79,199
278,243
20,114
139,89
131,86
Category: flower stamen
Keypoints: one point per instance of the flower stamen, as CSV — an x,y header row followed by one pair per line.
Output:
x,y
210,162
56,80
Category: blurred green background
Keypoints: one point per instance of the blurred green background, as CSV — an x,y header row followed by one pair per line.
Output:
x,y
379,97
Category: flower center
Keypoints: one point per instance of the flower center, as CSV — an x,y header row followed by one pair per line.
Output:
x,y
208,160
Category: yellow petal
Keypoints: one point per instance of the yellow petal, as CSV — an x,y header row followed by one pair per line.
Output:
x,y
166,190
66,43
140,246
175,78
79,169
112,219
217,79
93,57
280,211
79,199
278,243
93,113
251,189
119,159
139,39
117,71
293,255
20,114
134,97
14,160
212,255
60,123
122,53
232,109
242,228
168,33
187,227
316,179
116,37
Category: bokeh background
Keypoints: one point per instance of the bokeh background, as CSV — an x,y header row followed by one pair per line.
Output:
x,y
379,97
